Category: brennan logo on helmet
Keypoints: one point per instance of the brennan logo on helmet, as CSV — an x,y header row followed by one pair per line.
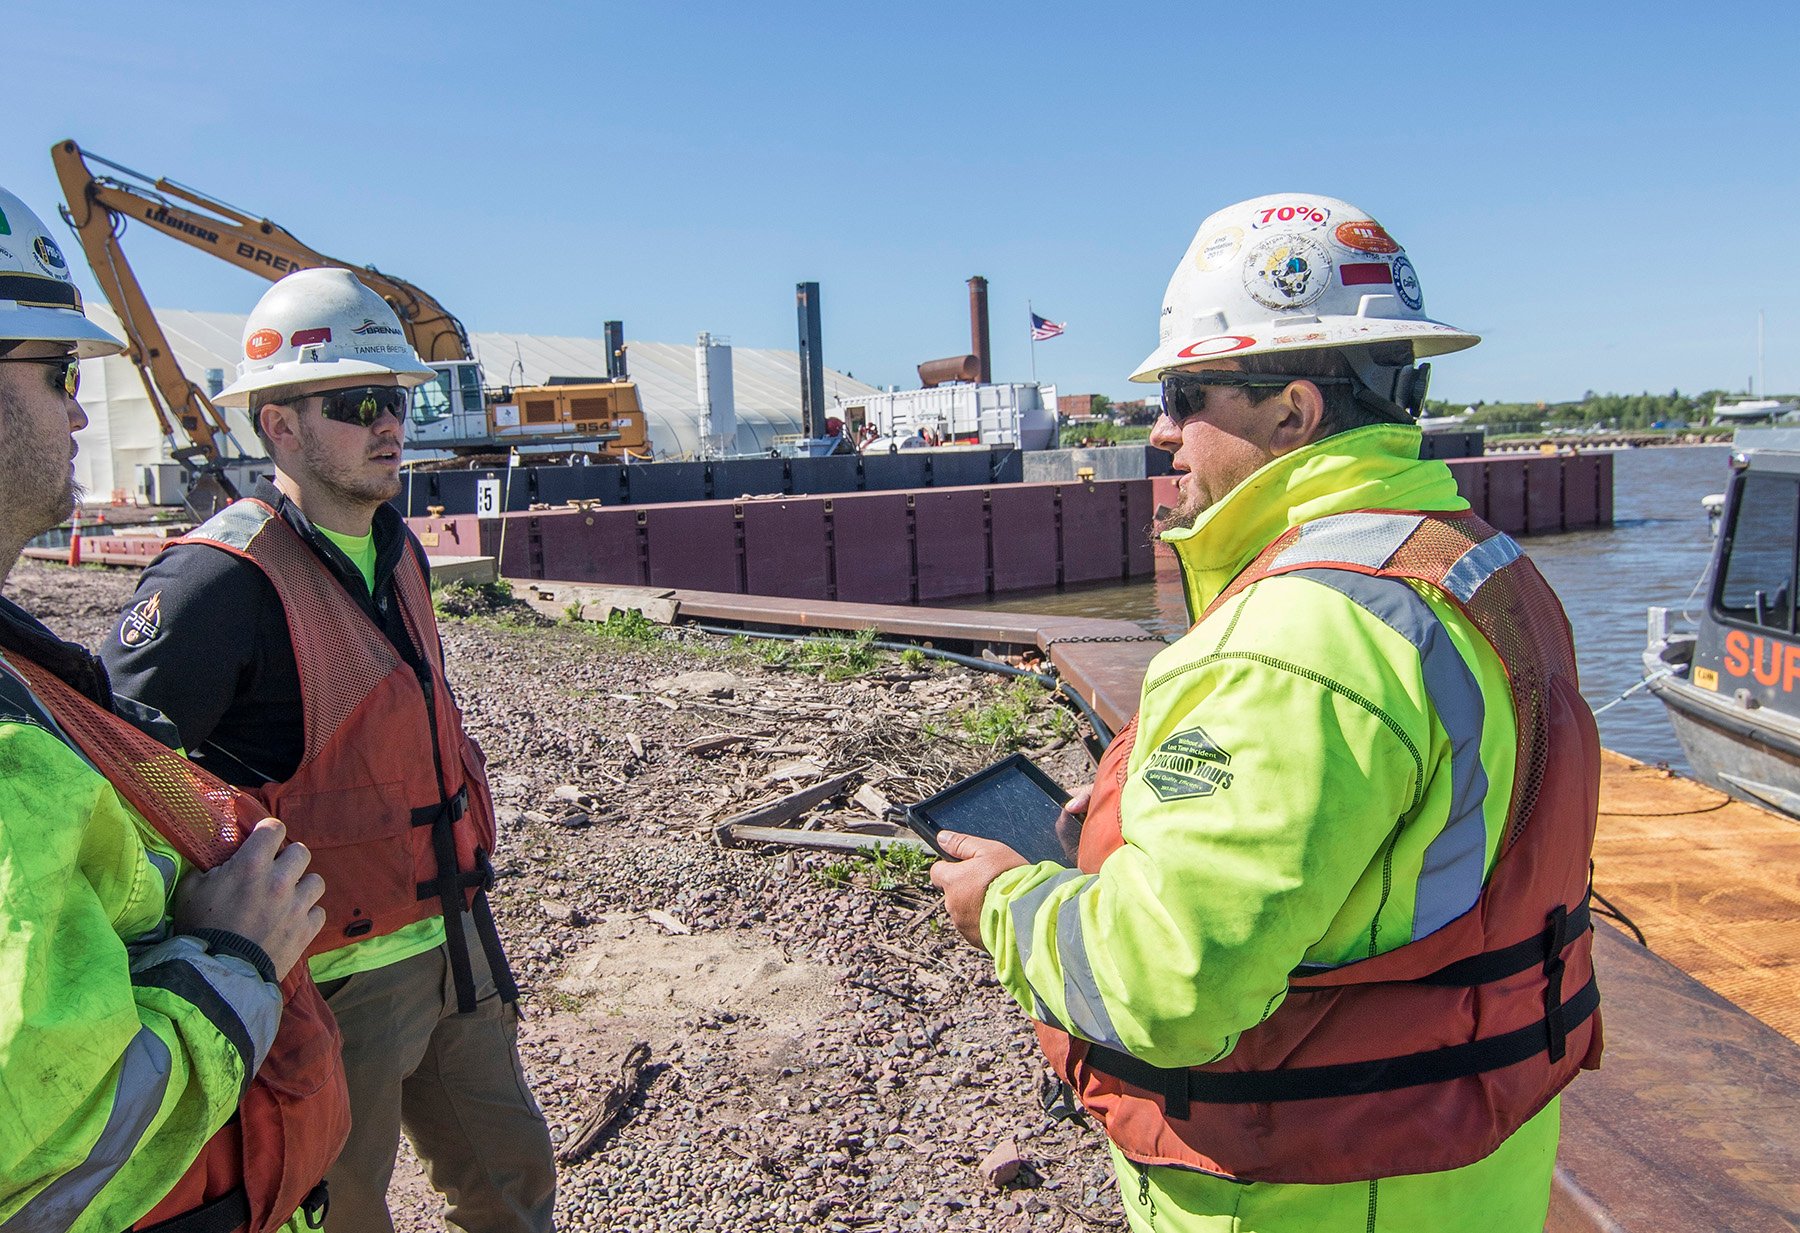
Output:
x,y
1186,765
371,326
142,622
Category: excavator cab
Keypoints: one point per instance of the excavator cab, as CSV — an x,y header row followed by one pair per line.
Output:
x,y
449,408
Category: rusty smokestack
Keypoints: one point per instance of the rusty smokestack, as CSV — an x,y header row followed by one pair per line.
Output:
x,y
978,328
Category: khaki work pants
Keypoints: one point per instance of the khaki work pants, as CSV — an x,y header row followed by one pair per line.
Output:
x,y
454,1084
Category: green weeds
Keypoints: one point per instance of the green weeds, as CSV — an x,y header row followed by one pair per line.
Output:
x,y
831,657
886,867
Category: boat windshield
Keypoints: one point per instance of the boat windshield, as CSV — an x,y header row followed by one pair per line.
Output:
x,y
1758,583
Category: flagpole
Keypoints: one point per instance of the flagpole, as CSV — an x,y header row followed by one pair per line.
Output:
x,y
1031,329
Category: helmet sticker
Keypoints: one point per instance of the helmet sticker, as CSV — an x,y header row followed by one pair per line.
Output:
x,y
1298,213
5,227
1224,344
1212,252
142,622
1367,236
371,326
1287,271
50,256
309,338
1365,273
262,344
1406,284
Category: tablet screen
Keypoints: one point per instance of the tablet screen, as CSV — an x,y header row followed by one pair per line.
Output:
x,y
1012,802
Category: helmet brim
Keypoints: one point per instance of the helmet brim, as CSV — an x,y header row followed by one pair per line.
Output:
x,y
58,325
239,392
1428,338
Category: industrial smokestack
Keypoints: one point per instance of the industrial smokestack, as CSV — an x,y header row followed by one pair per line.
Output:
x,y
978,328
812,360
615,351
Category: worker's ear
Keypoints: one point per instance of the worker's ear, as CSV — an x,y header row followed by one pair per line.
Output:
x,y
1302,409
280,424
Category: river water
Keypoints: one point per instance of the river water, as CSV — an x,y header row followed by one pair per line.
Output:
x,y
1655,552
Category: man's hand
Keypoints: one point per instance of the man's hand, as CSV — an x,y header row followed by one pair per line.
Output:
x,y
1069,823
262,893
964,878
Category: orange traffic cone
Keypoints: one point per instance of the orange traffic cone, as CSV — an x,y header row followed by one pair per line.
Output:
x,y
75,540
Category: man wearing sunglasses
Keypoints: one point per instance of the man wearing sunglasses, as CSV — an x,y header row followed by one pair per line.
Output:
x,y
141,994
1325,961
292,642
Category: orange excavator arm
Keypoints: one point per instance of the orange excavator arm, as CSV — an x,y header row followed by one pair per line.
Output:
x,y
100,204
174,398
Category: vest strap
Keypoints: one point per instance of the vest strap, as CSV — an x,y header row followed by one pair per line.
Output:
x,y
1494,965
225,1214
1179,1087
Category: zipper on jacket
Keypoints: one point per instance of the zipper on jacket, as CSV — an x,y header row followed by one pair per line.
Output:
x,y
1143,1194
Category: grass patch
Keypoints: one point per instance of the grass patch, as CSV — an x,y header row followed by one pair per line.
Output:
x,y
1004,722
885,867
831,657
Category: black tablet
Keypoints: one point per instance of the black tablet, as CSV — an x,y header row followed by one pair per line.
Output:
x,y
1011,801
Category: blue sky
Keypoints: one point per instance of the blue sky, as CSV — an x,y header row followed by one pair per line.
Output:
x,y
1606,193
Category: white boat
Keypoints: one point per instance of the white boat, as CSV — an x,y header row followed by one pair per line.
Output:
x,y
1756,410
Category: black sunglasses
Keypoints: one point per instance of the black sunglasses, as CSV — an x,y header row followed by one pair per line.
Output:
x,y
364,405
65,373
1184,393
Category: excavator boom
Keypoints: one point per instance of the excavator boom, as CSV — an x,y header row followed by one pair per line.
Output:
x,y
230,234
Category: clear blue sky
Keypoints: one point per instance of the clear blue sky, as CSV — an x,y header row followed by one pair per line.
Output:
x,y
1606,192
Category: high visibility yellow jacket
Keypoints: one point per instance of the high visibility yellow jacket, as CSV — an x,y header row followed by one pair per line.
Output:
x,y
122,1048
1311,850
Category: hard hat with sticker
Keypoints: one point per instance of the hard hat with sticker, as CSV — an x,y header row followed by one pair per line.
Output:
x,y
39,302
1293,272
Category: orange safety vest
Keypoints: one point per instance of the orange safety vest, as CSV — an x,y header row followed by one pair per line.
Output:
x,y
271,1159
391,794
1429,1056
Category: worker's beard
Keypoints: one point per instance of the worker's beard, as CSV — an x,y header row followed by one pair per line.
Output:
x,y
350,482
37,473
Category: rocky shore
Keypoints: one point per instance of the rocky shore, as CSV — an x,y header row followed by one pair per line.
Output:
x,y
823,1051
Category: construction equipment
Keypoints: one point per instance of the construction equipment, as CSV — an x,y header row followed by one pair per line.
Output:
x,y
457,413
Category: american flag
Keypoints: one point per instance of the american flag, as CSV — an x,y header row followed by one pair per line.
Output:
x,y
1043,327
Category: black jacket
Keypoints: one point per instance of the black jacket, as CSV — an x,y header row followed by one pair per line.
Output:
x,y
206,643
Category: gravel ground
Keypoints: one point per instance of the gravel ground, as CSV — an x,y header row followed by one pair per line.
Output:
x,y
825,1053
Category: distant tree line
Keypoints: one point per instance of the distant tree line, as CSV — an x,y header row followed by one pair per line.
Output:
x,y
1623,411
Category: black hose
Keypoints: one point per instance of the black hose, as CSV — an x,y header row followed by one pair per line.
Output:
x,y
1047,680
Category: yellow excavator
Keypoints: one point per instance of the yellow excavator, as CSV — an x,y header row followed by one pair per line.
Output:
x,y
457,415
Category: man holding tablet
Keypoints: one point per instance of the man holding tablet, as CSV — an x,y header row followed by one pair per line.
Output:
x,y
1325,962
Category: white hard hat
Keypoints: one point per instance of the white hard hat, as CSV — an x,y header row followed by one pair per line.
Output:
x,y
1292,272
38,300
321,325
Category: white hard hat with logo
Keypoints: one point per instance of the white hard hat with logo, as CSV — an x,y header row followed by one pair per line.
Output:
x,y
39,302
1293,272
321,325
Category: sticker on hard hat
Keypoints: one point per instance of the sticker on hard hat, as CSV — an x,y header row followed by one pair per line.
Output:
x,y
1406,285
372,326
49,255
1366,273
1302,212
1223,344
309,338
1287,271
262,344
5,227
1213,251
1367,236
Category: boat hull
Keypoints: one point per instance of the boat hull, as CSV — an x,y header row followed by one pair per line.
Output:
x,y
1753,753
